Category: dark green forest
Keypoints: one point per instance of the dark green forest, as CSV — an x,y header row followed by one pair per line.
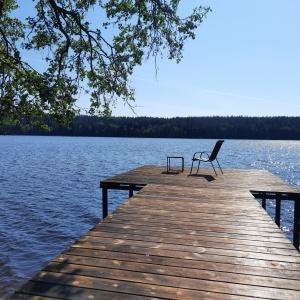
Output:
x,y
189,127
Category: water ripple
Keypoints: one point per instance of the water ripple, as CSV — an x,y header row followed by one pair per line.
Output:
x,y
49,187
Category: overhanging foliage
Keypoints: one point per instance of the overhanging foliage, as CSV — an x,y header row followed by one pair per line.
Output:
x,y
96,56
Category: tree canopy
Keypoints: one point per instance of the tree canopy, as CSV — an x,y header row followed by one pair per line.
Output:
x,y
83,53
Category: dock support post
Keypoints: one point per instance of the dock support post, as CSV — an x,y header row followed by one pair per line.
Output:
x,y
277,210
104,202
263,200
296,223
130,191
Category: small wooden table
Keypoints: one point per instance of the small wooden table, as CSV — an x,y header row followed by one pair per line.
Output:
x,y
169,162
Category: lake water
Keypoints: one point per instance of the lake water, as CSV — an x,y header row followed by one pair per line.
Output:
x,y
49,187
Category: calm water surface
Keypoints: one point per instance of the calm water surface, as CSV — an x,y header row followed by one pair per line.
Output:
x,y
49,193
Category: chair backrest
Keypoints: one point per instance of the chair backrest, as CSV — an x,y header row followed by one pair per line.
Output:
x,y
216,150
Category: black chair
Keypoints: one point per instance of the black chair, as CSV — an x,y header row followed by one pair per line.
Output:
x,y
206,157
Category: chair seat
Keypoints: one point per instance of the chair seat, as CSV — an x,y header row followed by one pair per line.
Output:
x,y
199,159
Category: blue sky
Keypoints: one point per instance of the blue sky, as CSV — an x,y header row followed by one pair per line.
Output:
x,y
244,61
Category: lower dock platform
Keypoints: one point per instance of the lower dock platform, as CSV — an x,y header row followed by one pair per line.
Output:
x,y
179,237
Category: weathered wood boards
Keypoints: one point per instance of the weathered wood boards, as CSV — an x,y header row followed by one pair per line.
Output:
x,y
178,238
232,178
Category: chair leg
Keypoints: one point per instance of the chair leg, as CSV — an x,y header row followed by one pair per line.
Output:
x,y
214,168
198,166
192,167
219,166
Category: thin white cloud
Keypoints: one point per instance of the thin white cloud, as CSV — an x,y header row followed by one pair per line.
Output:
x,y
205,91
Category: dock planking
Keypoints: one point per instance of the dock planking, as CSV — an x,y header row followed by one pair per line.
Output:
x,y
179,237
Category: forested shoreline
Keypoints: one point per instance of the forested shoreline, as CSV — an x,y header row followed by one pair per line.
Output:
x,y
287,128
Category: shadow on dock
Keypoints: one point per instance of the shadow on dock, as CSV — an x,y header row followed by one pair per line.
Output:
x,y
209,178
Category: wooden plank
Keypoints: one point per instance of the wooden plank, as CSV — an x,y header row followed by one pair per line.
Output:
x,y
213,242
129,228
158,286
30,297
247,234
90,290
176,280
61,290
182,263
187,221
221,272
282,255
200,216
184,251
184,239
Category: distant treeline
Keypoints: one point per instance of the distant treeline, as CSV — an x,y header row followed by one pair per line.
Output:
x,y
190,127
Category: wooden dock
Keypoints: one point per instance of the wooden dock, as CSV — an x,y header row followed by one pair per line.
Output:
x,y
179,237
